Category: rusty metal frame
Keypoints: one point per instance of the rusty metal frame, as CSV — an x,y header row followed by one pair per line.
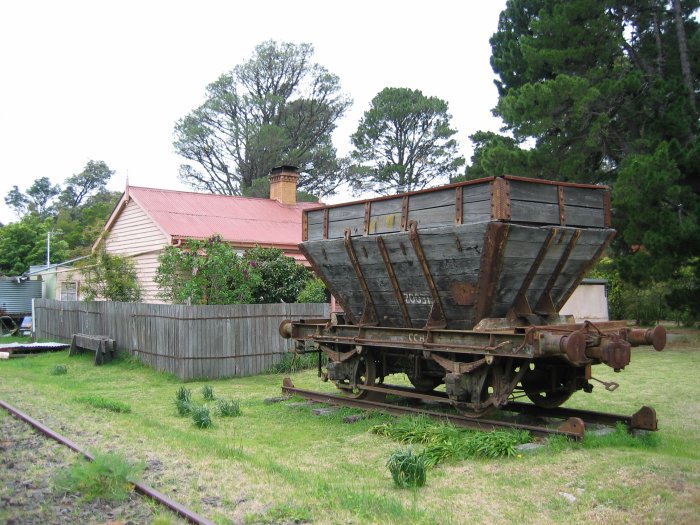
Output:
x,y
607,210
562,206
304,227
491,263
404,213
325,223
586,267
520,300
545,303
436,318
369,312
500,200
394,282
368,213
459,205
334,291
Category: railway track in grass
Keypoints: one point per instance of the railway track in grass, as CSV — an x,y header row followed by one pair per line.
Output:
x,y
141,488
542,422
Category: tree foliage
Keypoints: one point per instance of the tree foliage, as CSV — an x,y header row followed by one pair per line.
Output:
x,y
277,108
404,142
211,272
23,243
75,215
603,91
110,277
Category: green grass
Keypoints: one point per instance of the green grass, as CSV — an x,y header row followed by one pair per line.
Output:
x,y
59,370
104,403
274,464
108,476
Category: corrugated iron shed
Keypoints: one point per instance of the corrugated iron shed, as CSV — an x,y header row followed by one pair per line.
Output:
x,y
16,297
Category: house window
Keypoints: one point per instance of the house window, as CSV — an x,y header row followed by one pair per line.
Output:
x,y
69,291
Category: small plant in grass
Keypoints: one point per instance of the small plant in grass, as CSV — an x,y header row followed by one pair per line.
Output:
x,y
208,393
108,476
105,404
407,469
226,408
183,394
184,407
201,417
59,370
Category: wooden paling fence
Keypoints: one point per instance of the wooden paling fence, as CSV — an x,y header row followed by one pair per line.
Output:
x,y
189,341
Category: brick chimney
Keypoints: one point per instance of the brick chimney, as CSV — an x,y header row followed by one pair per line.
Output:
x,y
283,184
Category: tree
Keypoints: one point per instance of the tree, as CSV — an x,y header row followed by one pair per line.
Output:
x,y
603,91
18,201
277,108
403,143
110,277
23,243
92,180
40,195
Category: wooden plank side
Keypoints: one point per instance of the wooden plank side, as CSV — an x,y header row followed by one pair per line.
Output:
x,y
532,192
585,197
534,212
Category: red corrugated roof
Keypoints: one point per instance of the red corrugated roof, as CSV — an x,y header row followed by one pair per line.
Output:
x,y
182,214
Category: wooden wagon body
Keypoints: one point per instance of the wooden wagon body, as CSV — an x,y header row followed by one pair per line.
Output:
x,y
452,256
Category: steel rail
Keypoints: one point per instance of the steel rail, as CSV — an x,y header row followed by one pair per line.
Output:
x,y
574,430
152,493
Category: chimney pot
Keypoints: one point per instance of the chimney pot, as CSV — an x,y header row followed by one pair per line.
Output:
x,y
283,184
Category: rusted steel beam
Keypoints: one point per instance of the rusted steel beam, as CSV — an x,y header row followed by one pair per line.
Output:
x,y
562,206
491,263
459,420
521,296
394,283
329,284
459,203
325,223
585,269
436,318
144,489
369,313
500,200
368,214
545,303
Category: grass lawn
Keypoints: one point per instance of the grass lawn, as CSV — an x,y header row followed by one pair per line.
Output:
x,y
277,464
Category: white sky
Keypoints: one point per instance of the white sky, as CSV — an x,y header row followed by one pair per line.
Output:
x,y
107,80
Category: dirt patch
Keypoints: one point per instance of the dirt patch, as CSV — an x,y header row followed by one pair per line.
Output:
x,y
29,461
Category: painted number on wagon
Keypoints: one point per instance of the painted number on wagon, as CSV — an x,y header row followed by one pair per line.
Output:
x,y
415,298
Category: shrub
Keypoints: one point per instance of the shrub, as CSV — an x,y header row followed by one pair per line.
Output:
x,y
108,476
314,291
292,362
201,417
105,404
208,393
407,469
59,370
228,408
184,407
183,394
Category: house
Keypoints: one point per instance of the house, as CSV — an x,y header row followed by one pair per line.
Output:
x,y
147,220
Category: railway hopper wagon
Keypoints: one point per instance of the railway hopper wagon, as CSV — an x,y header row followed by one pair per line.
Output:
x,y
461,286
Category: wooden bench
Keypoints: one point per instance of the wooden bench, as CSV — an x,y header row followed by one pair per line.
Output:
x,y
102,345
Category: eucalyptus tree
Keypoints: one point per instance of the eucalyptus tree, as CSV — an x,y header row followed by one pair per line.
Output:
x,y
279,107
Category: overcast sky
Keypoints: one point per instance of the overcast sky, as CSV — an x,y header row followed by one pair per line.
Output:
x,y
107,80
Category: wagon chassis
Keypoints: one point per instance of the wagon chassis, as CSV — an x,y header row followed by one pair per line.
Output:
x,y
481,370
542,423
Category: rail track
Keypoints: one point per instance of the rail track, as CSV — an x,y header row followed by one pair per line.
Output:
x,y
567,422
141,488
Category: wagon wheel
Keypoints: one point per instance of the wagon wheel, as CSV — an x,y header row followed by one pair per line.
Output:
x,y
365,374
549,386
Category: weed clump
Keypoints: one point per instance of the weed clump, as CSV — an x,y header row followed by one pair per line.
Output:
x,y
443,442
230,408
108,476
59,370
408,470
201,417
105,404
208,393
